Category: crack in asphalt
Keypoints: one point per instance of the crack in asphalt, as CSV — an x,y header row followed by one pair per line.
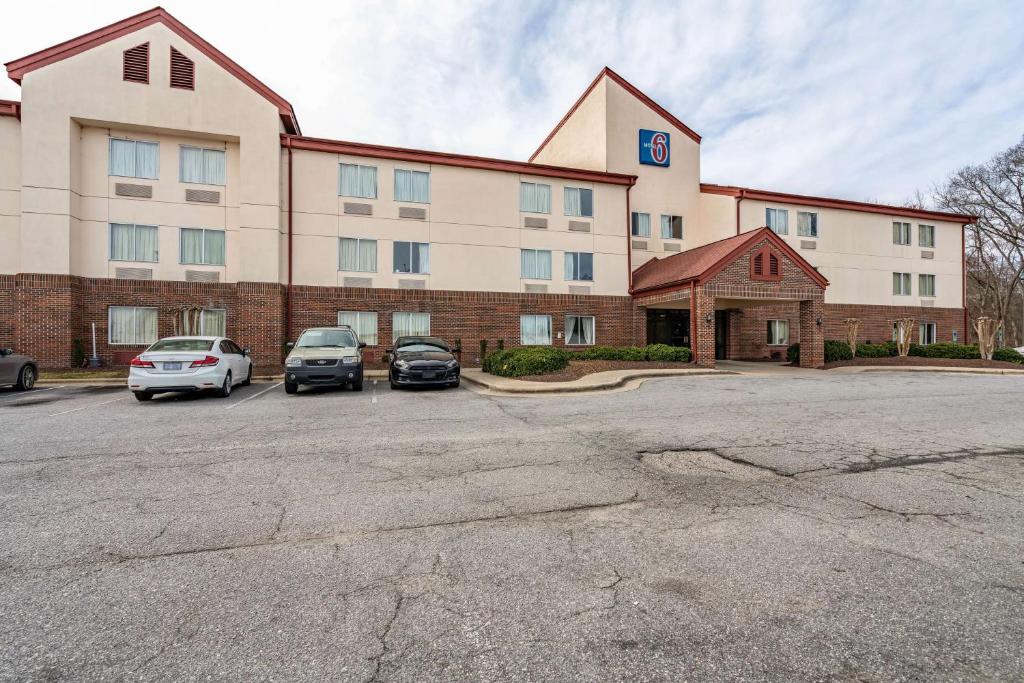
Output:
x,y
914,460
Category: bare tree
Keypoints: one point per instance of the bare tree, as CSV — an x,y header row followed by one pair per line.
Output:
x,y
994,192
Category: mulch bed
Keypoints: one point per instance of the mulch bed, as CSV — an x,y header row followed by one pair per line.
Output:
x,y
580,368
933,362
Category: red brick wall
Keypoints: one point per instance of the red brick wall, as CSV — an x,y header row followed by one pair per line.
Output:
x,y
7,311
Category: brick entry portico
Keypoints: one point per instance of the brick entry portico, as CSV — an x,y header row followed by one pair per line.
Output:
x,y
749,270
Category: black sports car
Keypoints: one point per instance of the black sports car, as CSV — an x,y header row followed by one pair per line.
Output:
x,y
422,361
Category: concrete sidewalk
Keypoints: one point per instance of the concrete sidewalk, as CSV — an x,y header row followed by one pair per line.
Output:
x,y
598,381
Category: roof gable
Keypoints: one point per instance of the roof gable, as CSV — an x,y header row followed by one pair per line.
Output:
x,y
17,69
606,72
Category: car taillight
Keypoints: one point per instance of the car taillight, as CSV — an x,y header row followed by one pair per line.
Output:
x,y
205,363
137,362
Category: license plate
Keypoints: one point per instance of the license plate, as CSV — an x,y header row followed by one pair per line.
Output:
x,y
428,375
172,366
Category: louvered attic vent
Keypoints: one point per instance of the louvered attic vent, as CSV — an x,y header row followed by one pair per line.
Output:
x,y
136,64
183,71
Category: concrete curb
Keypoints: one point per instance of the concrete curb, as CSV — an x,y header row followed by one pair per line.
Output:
x,y
504,385
930,368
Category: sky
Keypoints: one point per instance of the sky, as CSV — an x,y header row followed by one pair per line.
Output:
x,y
858,100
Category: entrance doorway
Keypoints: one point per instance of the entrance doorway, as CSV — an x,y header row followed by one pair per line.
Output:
x,y
721,335
668,326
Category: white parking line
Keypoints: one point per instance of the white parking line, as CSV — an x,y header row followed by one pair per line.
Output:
x,y
374,391
26,394
91,405
249,398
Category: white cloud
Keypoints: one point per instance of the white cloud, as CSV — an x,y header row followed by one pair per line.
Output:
x,y
869,100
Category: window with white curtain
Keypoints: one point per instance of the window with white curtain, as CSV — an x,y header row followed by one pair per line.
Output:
x,y
926,285
203,247
777,220
411,257
900,233
364,323
410,325
130,242
134,158
535,330
213,322
926,333
579,201
806,224
535,264
926,236
357,181
579,330
357,254
641,224
199,165
131,325
778,332
412,186
579,265
901,284
535,197
671,227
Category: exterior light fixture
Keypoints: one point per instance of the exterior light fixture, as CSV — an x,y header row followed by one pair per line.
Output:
x,y
818,321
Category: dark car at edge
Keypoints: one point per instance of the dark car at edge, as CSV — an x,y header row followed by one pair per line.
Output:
x,y
422,361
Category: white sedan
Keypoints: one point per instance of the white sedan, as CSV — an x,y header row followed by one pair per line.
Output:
x,y
189,364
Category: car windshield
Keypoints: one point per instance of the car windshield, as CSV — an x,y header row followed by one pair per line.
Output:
x,y
421,345
321,338
182,345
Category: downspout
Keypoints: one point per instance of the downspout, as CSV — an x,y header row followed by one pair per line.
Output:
x,y
629,240
739,198
288,290
963,274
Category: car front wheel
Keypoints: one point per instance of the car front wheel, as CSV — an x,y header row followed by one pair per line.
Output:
x,y
291,388
248,377
225,389
26,378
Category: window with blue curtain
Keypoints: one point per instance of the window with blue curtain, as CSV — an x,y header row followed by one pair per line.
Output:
x,y
671,227
777,220
579,201
641,225
535,264
579,265
412,186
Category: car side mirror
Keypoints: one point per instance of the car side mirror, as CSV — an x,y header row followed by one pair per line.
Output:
x,y
456,349
362,345
290,345
246,352
7,352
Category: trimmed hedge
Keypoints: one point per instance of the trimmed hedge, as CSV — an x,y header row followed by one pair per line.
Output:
x,y
610,353
1007,354
834,350
526,360
883,350
663,353
888,349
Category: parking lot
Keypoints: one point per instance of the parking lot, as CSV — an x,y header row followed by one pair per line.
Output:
x,y
807,527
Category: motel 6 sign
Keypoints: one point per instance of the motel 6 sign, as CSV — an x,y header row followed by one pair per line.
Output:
x,y
654,149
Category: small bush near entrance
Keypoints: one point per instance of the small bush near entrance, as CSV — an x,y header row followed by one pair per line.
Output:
x,y
610,353
663,353
1009,355
834,350
883,350
526,360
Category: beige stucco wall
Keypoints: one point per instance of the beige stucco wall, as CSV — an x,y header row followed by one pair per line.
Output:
x,y
10,195
473,225
855,251
64,182
581,142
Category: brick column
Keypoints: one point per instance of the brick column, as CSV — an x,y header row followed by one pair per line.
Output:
x,y
812,335
260,322
703,343
47,313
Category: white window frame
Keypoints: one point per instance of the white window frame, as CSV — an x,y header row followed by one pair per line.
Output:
x,y
359,168
359,244
135,143
921,279
204,261
202,322
922,330
536,254
771,219
135,327
901,233
532,319
135,249
579,202
411,201
812,229
394,247
574,256
394,323
362,316
920,231
906,283
634,225
205,180
569,326
541,192
773,336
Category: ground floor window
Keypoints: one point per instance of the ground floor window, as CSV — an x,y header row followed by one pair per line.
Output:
x,y
131,325
778,332
535,330
927,333
213,322
579,330
410,325
364,323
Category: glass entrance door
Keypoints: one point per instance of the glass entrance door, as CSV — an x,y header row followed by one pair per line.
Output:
x,y
721,335
668,326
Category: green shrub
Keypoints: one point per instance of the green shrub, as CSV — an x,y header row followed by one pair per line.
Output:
x,y
793,353
77,353
883,350
837,350
947,350
526,360
610,353
1008,355
663,353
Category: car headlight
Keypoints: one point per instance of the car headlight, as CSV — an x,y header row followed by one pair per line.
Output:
x,y
293,362
401,364
350,360
452,363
